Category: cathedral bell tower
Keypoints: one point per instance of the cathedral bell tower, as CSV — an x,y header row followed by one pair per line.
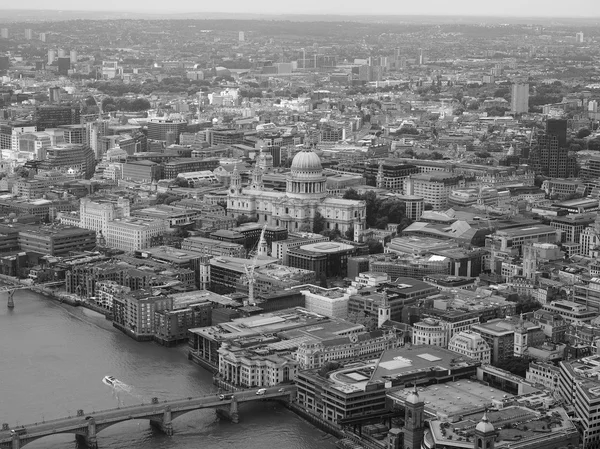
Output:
x,y
414,426
235,185
485,434
257,181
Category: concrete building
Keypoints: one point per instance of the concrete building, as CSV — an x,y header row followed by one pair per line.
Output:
x,y
331,302
133,234
544,374
142,171
435,187
56,240
509,338
161,128
519,102
360,389
96,215
472,345
327,259
579,386
69,158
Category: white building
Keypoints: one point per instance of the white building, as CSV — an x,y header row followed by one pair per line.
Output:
x,y
370,279
314,354
106,291
434,187
199,177
429,332
130,234
435,332
544,374
252,369
297,207
331,302
519,101
472,345
96,216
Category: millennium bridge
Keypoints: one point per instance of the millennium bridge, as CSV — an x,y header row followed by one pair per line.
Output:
x,y
85,426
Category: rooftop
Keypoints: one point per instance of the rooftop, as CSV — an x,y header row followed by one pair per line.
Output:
x,y
453,398
327,247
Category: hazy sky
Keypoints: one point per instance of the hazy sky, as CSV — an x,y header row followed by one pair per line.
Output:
x,y
554,8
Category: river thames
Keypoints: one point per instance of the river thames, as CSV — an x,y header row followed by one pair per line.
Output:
x,y
54,356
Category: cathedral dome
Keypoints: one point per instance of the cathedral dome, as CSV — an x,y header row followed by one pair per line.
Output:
x,y
306,160
485,426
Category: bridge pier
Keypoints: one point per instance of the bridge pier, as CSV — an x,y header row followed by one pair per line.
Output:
x,y
11,302
232,414
165,425
88,439
16,442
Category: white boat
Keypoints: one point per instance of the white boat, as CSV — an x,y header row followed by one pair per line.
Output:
x,y
109,380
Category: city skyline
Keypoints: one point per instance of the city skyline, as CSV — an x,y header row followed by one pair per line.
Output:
x,y
470,8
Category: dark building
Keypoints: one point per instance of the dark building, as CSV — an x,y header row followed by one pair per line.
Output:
x,y
4,64
64,65
551,157
54,116
70,156
56,240
225,136
357,265
558,128
326,259
187,165
252,231
162,129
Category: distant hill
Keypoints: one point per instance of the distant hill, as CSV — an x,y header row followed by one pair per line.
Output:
x,y
19,15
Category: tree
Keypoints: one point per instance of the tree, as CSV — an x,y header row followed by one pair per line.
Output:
x,y
482,154
240,220
332,234
350,233
180,182
352,194
515,365
318,223
583,133
328,367
375,246
305,227
594,145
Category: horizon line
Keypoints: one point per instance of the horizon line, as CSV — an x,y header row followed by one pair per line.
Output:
x,y
275,14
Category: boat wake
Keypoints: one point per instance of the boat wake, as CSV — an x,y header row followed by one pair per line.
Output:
x,y
121,390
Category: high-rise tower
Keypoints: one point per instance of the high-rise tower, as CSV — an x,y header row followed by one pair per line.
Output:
x,y
519,101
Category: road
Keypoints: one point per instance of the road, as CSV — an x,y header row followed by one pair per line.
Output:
x,y
142,411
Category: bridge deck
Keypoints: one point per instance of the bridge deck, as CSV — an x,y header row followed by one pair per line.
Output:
x,y
142,411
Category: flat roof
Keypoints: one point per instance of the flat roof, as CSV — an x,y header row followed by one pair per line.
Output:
x,y
453,398
327,247
402,361
529,230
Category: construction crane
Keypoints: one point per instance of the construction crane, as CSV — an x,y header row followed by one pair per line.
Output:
x,y
250,270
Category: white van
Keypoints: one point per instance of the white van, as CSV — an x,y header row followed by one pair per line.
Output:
x,y
261,391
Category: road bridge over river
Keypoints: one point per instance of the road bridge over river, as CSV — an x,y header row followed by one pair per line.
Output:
x,y
85,426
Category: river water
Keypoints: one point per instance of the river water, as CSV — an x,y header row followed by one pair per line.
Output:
x,y
52,361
